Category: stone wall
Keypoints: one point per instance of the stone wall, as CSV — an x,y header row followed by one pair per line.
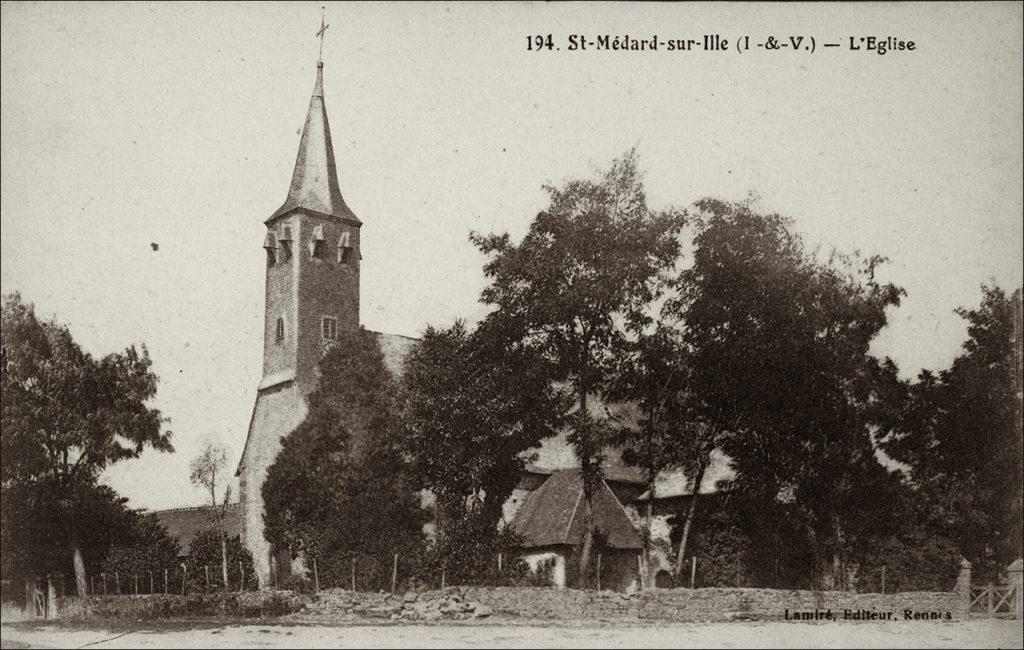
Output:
x,y
712,604
237,604
460,603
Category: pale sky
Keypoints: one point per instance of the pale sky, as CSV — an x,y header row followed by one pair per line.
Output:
x,y
126,124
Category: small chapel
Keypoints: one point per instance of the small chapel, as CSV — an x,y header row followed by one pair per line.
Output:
x,y
313,256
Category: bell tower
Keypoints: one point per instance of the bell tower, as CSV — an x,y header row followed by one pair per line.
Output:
x,y
312,253
312,292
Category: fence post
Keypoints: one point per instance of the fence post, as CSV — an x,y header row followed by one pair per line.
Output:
x,y
963,586
206,570
599,572
444,567
394,574
117,582
693,572
92,585
641,572
150,581
316,576
103,576
165,581
184,577
353,573
136,577
883,578
1016,574
241,576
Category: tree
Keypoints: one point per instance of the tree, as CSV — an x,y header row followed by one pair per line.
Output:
x,y
779,364
473,408
587,269
67,416
339,486
148,548
960,433
204,470
206,467
34,525
208,548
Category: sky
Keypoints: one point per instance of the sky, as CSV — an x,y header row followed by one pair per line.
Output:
x,y
177,124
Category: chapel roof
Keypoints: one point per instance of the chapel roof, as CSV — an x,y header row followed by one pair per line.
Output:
x,y
553,514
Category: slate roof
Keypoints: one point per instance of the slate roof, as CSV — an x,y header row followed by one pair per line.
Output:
x,y
552,515
557,453
314,186
185,523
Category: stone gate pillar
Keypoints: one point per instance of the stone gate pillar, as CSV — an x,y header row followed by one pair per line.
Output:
x,y
1016,573
963,586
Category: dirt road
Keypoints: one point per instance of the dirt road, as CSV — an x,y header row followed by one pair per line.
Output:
x,y
970,634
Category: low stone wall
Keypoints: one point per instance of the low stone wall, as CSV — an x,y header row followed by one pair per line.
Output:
x,y
711,604
461,603
676,605
238,604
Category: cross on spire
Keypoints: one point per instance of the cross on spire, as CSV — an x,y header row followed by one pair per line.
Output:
x,y
320,35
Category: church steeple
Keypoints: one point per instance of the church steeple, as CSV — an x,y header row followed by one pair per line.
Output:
x,y
312,296
314,186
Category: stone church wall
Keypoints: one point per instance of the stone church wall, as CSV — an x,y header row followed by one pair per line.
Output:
x,y
277,412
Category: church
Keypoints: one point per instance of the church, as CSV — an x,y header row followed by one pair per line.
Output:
x,y
312,292
313,256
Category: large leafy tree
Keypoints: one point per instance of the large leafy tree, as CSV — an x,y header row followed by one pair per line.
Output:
x,y
586,271
474,405
666,429
66,417
339,486
34,524
779,364
960,433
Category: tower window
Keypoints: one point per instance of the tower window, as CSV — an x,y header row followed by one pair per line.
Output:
x,y
316,243
344,249
270,245
284,240
279,330
329,328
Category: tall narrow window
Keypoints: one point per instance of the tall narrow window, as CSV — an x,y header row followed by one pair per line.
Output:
x,y
279,330
344,249
329,328
316,242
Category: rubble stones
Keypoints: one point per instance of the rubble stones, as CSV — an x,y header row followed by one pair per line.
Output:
x,y
471,603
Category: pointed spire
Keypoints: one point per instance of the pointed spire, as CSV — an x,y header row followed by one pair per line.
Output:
x,y
318,89
315,179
